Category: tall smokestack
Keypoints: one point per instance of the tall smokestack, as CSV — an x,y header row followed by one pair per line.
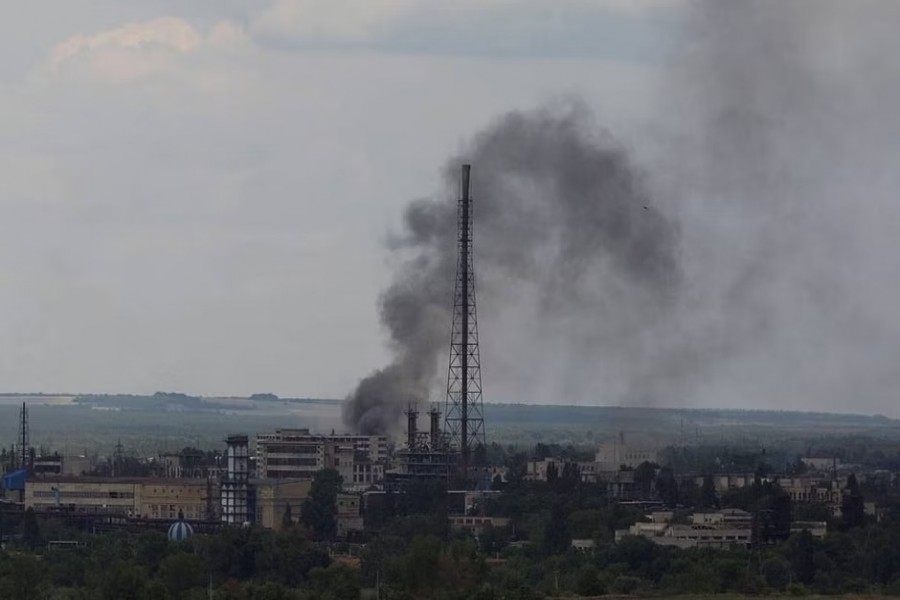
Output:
x,y
412,425
435,416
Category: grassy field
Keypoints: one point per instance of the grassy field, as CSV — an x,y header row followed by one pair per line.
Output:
x,y
58,423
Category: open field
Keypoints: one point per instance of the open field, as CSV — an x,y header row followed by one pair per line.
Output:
x,y
147,425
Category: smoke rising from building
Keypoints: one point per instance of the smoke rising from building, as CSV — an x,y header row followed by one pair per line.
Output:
x,y
744,255
558,208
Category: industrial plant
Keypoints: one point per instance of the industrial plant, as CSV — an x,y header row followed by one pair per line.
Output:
x,y
258,481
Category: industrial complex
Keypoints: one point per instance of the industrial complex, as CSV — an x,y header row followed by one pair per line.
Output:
x,y
259,481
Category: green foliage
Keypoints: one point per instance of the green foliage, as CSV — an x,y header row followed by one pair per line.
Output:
x,y
319,509
20,577
337,582
853,512
180,572
31,532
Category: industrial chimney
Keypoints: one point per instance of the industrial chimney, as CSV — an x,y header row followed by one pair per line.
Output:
x,y
435,431
412,423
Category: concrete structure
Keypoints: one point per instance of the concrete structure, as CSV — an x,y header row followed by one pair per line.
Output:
x,y
583,545
192,499
614,454
349,515
822,464
148,498
426,458
299,454
235,489
474,524
815,490
273,497
421,464
96,495
366,475
715,529
47,465
76,465
727,481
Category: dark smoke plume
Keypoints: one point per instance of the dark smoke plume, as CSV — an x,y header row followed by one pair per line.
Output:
x,y
561,214
763,271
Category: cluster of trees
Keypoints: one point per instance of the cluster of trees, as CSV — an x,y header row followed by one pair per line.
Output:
x,y
234,564
414,555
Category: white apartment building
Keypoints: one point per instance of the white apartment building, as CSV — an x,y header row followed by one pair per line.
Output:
x,y
299,454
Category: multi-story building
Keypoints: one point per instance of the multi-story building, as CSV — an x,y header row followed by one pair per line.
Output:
x,y
299,454
366,475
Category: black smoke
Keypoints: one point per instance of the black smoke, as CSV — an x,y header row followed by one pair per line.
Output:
x,y
749,261
560,214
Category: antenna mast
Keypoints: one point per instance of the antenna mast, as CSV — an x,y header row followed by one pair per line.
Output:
x,y
464,416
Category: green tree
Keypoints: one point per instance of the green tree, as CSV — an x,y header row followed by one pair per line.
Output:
x,y
853,508
556,532
287,519
588,582
645,477
708,496
155,590
552,473
180,572
150,548
777,572
123,581
31,532
337,582
667,487
20,577
320,507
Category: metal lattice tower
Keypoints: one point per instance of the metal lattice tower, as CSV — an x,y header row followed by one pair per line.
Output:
x,y
464,416
23,439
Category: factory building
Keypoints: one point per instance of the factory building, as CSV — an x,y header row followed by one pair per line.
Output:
x,y
426,457
616,453
273,496
136,498
299,454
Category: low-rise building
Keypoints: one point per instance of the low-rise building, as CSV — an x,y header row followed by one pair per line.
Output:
x,y
147,498
824,464
349,515
616,453
166,499
710,529
475,524
814,490
273,496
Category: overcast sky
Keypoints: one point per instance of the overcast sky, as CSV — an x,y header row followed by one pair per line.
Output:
x,y
195,195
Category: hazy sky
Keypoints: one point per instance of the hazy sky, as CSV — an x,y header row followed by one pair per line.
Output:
x,y
195,194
